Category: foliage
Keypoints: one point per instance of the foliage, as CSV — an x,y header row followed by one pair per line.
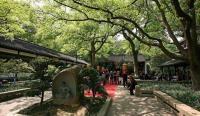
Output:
x,y
158,23
93,106
15,18
44,70
25,77
92,80
154,23
181,92
40,66
11,87
156,56
14,66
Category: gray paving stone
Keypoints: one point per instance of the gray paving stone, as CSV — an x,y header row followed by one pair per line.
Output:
x,y
127,105
11,107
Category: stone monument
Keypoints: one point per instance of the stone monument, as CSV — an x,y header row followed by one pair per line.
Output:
x,y
65,87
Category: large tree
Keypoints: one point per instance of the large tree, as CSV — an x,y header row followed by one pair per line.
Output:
x,y
79,39
92,36
135,52
169,21
16,19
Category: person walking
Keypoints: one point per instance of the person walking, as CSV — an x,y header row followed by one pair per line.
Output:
x,y
124,79
111,77
103,78
133,83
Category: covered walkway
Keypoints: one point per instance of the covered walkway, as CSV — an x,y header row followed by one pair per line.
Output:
x,y
17,48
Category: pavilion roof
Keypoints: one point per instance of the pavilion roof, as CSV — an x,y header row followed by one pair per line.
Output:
x,y
24,48
126,58
173,62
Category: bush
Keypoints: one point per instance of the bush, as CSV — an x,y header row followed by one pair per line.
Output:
x,y
180,92
92,80
25,78
11,87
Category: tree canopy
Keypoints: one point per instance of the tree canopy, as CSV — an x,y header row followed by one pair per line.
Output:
x,y
160,22
172,26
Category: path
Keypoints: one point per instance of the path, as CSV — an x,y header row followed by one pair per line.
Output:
x,y
11,107
126,105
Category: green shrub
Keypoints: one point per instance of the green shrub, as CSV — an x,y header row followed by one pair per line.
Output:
x,y
183,93
11,87
92,80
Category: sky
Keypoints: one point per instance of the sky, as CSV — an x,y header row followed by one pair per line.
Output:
x,y
119,37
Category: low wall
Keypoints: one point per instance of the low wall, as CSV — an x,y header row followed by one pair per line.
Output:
x,y
178,107
180,82
143,93
181,108
12,94
105,108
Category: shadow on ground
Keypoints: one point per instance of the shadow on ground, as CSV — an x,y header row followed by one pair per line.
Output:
x,y
126,105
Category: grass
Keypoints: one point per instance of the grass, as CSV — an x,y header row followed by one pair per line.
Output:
x,y
181,92
11,87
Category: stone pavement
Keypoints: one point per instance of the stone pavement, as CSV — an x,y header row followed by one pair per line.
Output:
x,y
127,105
11,107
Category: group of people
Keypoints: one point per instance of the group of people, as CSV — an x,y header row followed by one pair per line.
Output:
x,y
111,77
116,77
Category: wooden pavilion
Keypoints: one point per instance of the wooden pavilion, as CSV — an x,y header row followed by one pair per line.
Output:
x,y
115,62
175,70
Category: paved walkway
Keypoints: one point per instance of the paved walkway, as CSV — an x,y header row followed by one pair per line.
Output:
x,y
126,105
11,107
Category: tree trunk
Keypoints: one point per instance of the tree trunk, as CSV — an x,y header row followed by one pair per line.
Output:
x,y
136,63
195,75
93,93
16,75
15,78
195,70
93,59
135,56
42,98
93,54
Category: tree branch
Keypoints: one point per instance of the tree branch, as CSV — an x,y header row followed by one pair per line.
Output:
x,y
112,17
160,45
169,30
157,42
137,26
179,11
76,9
103,41
94,8
125,6
128,39
189,23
